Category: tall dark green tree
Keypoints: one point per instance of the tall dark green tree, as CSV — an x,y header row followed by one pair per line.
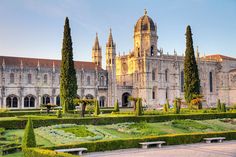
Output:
x,y
191,76
68,82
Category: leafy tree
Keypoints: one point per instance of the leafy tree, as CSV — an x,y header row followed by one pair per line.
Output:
x,y
49,107
196,102
83,102
218,105
191,76
68,81
116,106
96,108
29,136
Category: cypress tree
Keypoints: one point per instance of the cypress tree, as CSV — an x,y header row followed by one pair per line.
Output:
x,y
176,107
138,110
29,136
223,107
68,81
116,106
191,76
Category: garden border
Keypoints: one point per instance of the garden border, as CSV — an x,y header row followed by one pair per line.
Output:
x,y
20,123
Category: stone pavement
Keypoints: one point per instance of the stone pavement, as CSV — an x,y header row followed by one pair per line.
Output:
x,y
225,149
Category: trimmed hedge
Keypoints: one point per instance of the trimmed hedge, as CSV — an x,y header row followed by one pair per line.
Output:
x,y
134,142
20,123
36,152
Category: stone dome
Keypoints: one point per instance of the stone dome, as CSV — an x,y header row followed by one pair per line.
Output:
x,y
145,23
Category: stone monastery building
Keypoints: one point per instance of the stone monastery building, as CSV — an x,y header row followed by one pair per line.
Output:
x,y
145,72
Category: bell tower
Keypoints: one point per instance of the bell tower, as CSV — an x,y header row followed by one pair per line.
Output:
x,y
97,53
111,69
145,37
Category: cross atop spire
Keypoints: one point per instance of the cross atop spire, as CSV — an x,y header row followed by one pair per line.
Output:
x,y
145,11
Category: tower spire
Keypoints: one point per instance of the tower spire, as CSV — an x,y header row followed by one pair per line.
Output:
x,y
110,42
96,43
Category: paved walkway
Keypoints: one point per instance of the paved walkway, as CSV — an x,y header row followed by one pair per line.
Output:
x,y
225,149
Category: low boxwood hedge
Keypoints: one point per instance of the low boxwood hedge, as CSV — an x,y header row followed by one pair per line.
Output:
x,y
174,139
36,152
20,123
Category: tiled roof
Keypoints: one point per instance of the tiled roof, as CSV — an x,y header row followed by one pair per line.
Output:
x,y
219,57
44,63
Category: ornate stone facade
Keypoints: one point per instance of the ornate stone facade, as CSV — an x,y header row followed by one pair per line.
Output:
x,y
145,72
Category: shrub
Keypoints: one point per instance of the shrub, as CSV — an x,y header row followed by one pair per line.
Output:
x,y
36,152
29,137
138,109
20,123
176,107
167,103
96,108
223,107
165,108
59,113
218,105
116,106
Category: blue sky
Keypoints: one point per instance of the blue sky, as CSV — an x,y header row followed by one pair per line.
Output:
x,y
34,28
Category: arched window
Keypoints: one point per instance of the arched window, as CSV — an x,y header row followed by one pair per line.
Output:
x,y
154,92
29,101
29,78
12,101
182,81
102,101
152,51
211,82
45,79
154,74
88,80
102,81
12,78
166,75
166,93
58,100
45,99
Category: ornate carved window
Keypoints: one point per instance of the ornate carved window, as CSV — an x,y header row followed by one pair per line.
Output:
x,y
45,79
29,78
45,99
88,80
12,101
154,74
29,101
12,78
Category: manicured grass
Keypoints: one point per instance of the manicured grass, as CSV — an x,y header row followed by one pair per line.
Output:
x,y
79,131
18,154
41,141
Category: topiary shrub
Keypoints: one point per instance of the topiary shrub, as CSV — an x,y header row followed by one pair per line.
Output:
x,y
176,107
96,108
218,106
165,108
59,113
138,109
116,106
167,103
223,107
29,136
